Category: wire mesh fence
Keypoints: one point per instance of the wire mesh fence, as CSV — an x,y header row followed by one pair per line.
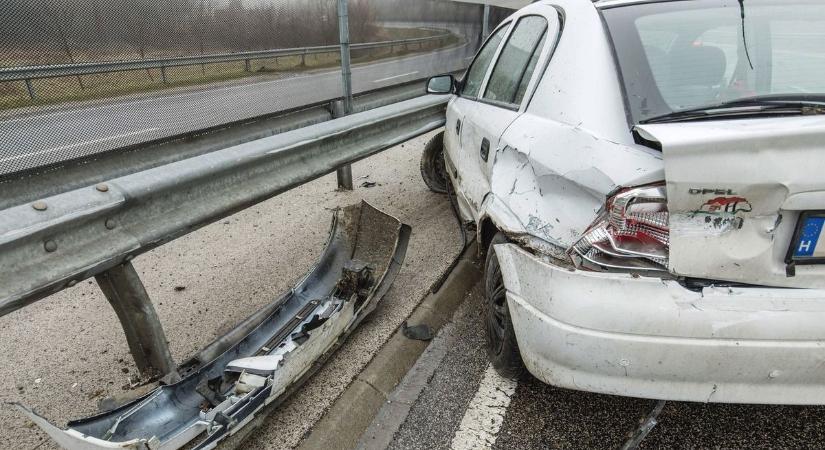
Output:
x,y
79,77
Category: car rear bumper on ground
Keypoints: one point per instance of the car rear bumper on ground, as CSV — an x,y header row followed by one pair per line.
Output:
x,y
645,337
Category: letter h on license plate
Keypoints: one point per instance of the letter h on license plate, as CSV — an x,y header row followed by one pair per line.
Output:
x,y
808,244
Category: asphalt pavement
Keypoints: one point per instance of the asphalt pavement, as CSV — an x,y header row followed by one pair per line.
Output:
x,y
86,128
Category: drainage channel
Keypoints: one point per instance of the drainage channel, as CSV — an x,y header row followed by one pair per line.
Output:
x,y
353,412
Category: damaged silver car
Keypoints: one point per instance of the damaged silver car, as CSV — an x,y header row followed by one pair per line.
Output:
x,y
647,177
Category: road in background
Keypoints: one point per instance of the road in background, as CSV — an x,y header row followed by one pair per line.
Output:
x,y
80,129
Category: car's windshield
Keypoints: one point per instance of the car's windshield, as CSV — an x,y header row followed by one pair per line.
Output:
x,y
681,55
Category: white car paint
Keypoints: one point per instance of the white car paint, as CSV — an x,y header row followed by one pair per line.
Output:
x,y
644,337
552,167
785,179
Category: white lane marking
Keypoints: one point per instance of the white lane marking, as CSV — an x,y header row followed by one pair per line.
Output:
x,y
394,77
485,414
80,144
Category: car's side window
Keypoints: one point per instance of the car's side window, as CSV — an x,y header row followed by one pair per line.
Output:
x,y
518,59
477,71
528,72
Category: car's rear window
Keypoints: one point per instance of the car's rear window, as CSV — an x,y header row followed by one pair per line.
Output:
x,y
680,55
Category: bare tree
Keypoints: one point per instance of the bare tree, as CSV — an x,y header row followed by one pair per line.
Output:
x,y
118,29
361,20
137,26
62,18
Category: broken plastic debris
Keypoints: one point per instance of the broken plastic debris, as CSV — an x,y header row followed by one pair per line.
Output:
x,y
421,332
219,392
248,382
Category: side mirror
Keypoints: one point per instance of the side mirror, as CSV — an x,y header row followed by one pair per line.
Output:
x,y
441,84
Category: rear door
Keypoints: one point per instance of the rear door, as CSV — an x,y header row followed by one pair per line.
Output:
x,y
498,103
506,96
465,171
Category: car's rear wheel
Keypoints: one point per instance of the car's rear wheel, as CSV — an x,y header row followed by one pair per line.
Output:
x,y
502,348
433,170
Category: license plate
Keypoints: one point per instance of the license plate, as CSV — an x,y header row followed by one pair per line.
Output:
x,y
809,241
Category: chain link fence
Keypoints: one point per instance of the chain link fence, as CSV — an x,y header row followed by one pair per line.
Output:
x,y
79,77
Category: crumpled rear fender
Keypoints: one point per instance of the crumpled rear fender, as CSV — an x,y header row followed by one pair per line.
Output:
x,y
549,180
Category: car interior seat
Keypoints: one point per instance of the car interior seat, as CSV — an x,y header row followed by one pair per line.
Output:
x,y
696,75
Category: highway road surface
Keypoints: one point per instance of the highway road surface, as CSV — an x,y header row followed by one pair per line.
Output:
x,y
84,129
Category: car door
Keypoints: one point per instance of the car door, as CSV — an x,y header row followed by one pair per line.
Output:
x,y
505,91
461,161
499,104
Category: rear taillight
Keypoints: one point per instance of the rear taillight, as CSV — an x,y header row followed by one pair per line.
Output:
x,y
631,234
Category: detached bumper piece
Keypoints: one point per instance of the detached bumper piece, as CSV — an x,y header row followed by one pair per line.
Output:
x,y
266,357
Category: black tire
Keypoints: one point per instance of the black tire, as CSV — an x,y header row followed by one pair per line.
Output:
x,y
432,165
502,348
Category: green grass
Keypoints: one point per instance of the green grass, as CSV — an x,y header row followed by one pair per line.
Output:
x,y
57,90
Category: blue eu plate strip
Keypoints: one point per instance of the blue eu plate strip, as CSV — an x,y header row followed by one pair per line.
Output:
x,y
809,237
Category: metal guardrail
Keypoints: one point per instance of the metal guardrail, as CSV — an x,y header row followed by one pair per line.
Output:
x,y
53,243
29,73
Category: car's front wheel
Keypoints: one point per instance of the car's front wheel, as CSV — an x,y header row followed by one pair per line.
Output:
x,y
502,348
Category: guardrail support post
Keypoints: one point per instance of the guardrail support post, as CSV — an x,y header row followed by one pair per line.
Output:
x,y
246,65
344,173
30,89
163,74
144,333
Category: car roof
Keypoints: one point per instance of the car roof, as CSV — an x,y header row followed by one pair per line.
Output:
x,y
597,3
518,4
603,4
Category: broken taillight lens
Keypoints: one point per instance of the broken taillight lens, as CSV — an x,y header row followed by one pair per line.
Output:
x,y
631,234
